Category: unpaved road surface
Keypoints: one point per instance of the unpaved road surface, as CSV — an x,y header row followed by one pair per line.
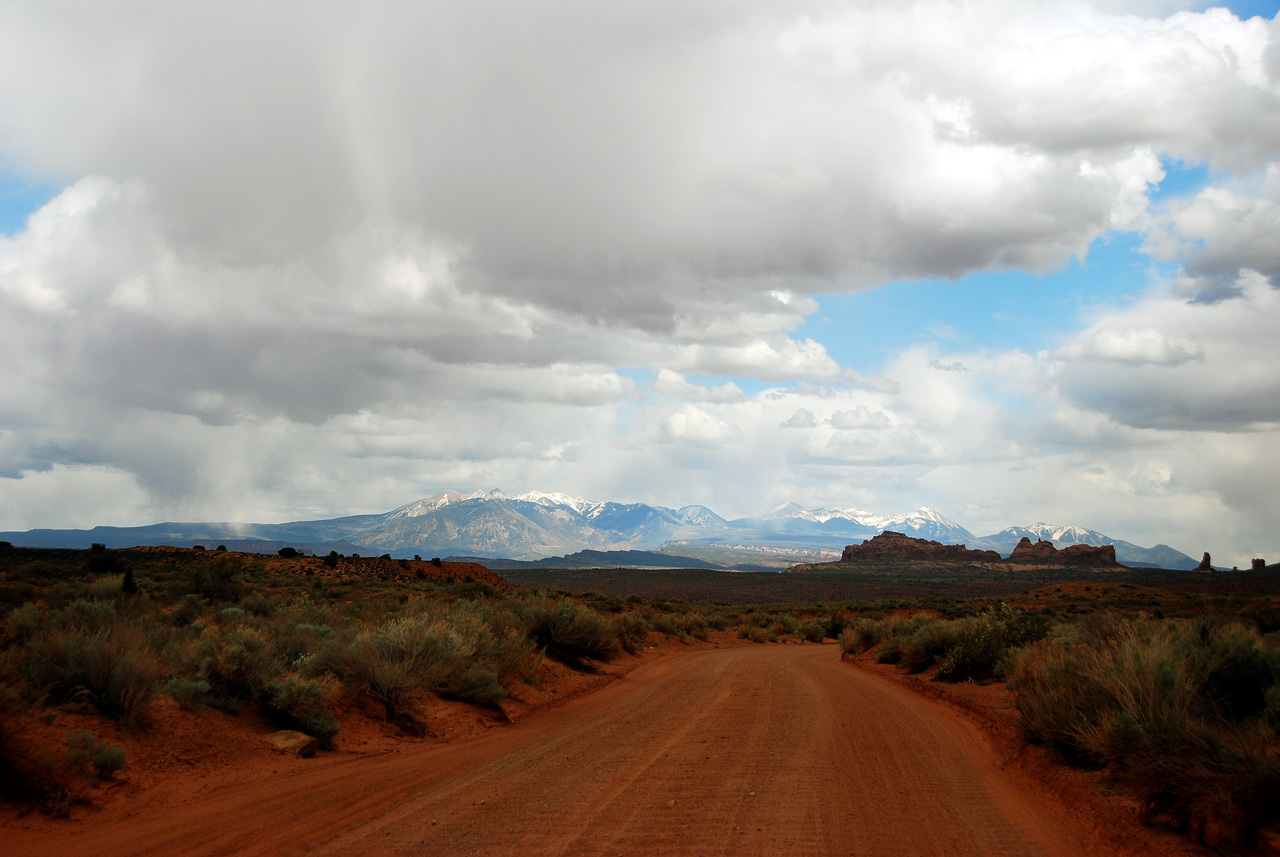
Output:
x,y
768,750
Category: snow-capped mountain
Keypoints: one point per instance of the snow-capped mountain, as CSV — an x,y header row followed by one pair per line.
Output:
x,y
1127,553
538,524
853,522
1060,536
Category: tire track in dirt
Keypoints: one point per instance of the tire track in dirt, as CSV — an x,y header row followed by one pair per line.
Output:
x,y
758,750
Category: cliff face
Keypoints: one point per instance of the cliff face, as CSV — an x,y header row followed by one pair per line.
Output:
x,y
1075,554
890,545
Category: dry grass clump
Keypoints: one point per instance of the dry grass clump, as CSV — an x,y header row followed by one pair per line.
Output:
x,y
1182,712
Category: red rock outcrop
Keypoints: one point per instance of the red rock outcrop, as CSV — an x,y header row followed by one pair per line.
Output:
x,y
891,545
1075,554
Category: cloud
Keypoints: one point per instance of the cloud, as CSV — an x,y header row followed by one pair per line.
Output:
x,y
314,260
802,418
1173,363
777,358
694,426
860,418
708,155
1220,232
1134,345
677,387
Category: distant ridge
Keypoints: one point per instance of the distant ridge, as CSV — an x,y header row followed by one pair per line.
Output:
x,y
540,526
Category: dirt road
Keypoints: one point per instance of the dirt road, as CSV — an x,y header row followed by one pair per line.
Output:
x,y
769,750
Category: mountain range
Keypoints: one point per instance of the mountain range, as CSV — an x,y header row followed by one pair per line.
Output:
x,y
536,526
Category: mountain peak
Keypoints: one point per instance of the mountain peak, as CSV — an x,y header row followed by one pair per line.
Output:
x,y
556,498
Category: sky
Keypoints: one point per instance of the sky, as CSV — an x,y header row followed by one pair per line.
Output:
x,y
1014,261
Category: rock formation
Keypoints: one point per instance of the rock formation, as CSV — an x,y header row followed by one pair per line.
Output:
x,y
1074,554
297,743
891,545
1259,564
1204,563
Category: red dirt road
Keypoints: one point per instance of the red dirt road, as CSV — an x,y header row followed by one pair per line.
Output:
x,y
769,750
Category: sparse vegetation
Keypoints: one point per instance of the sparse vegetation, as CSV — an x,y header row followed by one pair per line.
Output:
x,y
1183,709
1182,712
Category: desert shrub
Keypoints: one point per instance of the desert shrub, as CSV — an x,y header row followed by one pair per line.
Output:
x,y
785,623
105,587
502,643
24,622
986,639
88,616
304,704
848,641
477,683
927,644
187,610
29,774
888,652
864,635
393,662
719,621
567,631
631,630
813,630
835,626
665,623
1176,710
238,664
298,642
259,605
190,694
469,676
220,580
112,670
105,564
756,634
102,758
